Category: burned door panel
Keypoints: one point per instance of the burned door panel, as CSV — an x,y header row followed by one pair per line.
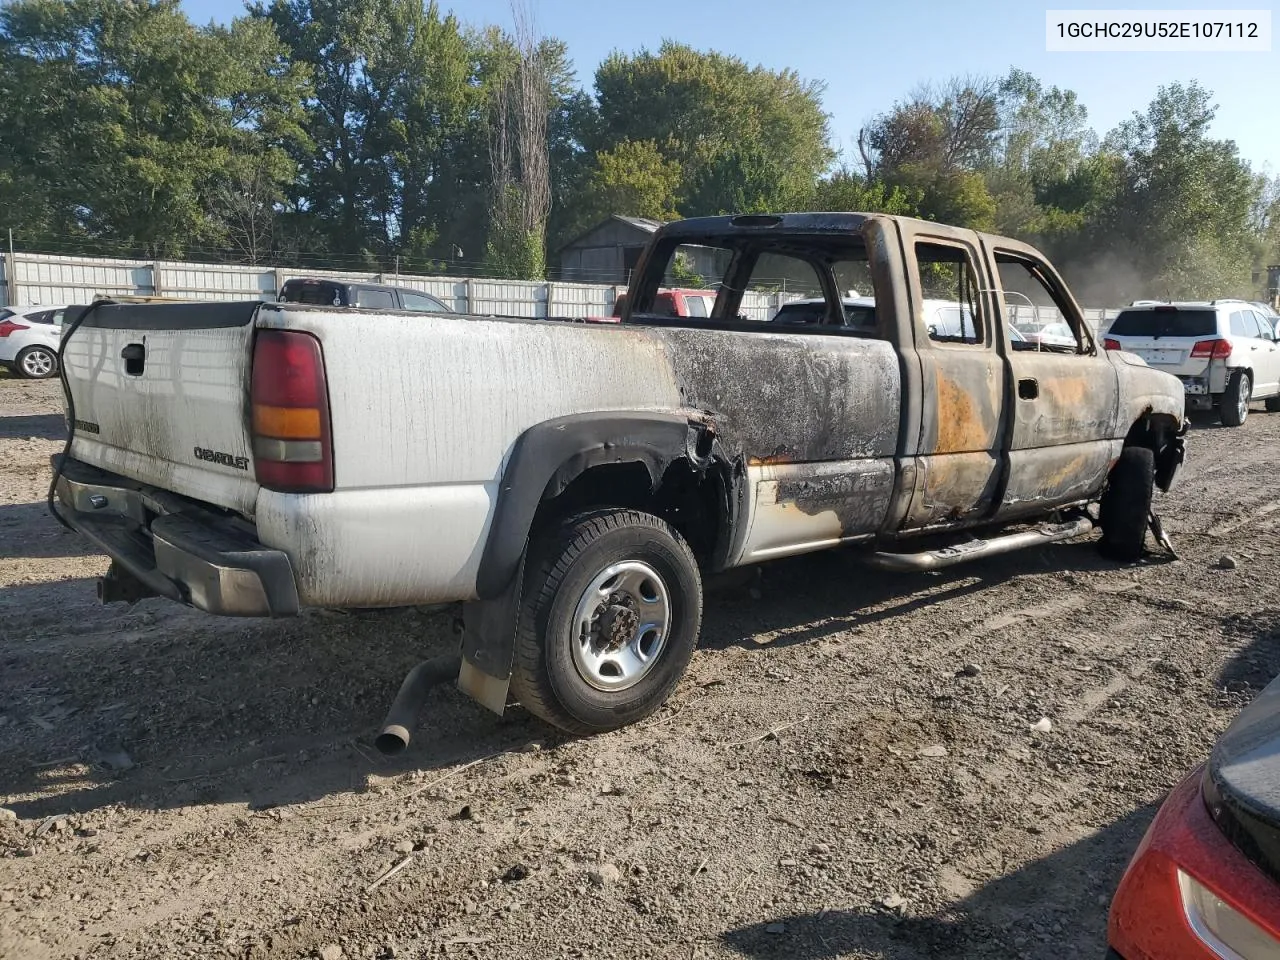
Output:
x,y
942,482
1066,473
1064,430
962,419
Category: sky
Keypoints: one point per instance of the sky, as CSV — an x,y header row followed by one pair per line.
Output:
x,y
870,53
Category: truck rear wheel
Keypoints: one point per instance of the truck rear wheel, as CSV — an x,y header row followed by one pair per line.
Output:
x,y
609,616
1125,508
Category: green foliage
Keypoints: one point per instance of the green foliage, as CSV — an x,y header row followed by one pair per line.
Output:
x,y
512,251
684,275
396,122
1183,209
122,121
744,138
361,130
932,146
632,179
846,191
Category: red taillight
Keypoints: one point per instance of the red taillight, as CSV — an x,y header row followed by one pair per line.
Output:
x,y
1110,344
292,447
1211,349
8,326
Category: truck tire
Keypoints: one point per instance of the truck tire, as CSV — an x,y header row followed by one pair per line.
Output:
x,y
1273,404
36,363
1234,408
609,615
1126,504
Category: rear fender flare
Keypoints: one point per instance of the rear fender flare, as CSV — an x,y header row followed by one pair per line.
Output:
x,y
549,456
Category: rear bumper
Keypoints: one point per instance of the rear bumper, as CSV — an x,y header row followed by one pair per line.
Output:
x,y
175,547
1205,387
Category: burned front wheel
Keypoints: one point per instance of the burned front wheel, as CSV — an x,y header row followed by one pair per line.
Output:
x,y
609,617
1125,510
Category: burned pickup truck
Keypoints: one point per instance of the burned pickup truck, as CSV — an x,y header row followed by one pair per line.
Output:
x,y
570,485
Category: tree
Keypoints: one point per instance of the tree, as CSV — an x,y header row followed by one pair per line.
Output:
x,y
632,179
932,145
263,95
519,158
1044,133
744,138
1184,209
845,190
121,120
398,162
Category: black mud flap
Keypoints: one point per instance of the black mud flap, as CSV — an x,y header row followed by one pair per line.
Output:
x,y
1169,461
489,644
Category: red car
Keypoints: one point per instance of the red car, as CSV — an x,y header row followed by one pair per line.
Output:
x,y
669,303
1204,883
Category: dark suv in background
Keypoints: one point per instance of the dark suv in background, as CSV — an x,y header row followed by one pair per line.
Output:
x,y
363,296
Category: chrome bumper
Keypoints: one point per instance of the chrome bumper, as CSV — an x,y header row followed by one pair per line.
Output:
x,y
175,547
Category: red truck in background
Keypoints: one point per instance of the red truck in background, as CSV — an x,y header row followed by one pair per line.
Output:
x,y
669,303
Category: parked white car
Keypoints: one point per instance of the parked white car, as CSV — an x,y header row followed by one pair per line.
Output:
x,y
1057,334
1224,351
942,317
29,340
859,312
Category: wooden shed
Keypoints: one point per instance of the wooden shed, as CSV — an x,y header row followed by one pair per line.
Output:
x,y
607,253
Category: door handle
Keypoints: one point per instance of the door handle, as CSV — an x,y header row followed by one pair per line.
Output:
x,y
1028,388
135,358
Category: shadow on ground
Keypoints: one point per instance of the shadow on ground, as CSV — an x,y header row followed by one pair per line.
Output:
x,y
1257,663
45,426
157,705
27,530
1052,908
820,594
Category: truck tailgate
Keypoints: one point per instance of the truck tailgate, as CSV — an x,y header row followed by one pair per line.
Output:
x,y
161,394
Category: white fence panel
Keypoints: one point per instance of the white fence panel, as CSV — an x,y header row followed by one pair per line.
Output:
x,y
580,299
512,298
48,279
215,281
758,306
42,279
762,306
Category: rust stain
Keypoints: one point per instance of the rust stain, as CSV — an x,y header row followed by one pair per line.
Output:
x,y
1055,480
770,460
962,427
1074,393
952,487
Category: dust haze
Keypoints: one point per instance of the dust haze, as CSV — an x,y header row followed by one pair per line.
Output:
x,y
1108,282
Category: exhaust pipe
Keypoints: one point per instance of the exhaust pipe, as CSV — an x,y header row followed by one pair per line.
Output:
x,y
975,549
403,714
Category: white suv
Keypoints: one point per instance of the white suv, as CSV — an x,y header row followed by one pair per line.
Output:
x,y
1223,351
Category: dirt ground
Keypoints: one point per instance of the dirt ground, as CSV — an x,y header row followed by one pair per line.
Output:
x,y
848,770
